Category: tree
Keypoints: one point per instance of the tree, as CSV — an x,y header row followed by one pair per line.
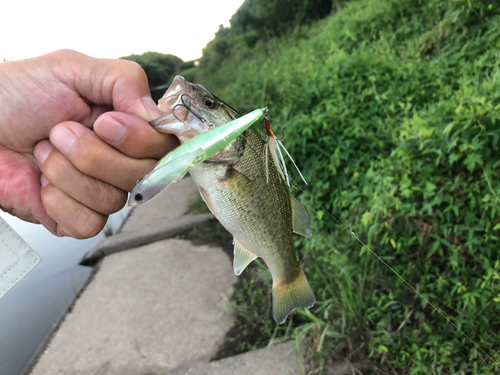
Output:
x,y
160,69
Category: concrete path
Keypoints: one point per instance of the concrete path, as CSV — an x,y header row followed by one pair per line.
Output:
x,y
275,360
148,310
157,308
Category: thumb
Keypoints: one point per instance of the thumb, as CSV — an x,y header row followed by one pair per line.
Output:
x,y
120,83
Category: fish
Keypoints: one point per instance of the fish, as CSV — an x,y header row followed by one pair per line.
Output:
x,y
173,166
250,199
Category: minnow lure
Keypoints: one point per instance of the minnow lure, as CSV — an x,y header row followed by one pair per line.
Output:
x,y
198,149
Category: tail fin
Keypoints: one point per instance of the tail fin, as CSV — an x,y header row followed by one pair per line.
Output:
x,y
290,296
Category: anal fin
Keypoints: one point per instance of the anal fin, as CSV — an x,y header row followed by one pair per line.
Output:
x,y
300,219
242,258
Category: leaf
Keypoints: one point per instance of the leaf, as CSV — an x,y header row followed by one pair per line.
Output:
x,y
496,227
448,128
382,349
319,214
429,186
471,161
367,218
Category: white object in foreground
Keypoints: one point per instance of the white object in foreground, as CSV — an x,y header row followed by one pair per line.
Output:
x,y
16,258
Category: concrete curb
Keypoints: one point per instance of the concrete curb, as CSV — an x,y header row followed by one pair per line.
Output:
x,y
159,230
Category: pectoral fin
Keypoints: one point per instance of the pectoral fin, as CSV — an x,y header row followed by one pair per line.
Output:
x,y
300,219
206,199
242,258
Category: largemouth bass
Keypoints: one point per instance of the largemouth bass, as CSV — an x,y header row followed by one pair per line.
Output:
x,y
250,200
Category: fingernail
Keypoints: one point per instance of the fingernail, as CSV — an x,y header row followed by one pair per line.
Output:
x,y
63,138
42,151
151,108
113,131
44,181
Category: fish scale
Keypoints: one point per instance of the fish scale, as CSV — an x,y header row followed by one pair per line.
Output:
x,y
266,229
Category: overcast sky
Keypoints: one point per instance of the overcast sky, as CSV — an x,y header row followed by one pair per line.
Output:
x,y
111,28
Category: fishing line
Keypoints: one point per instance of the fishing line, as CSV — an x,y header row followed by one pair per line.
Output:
x,y
448,320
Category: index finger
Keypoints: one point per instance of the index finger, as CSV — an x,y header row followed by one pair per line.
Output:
x,y
133,136
119,83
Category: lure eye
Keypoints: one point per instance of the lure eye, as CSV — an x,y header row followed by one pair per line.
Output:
x,y
210,103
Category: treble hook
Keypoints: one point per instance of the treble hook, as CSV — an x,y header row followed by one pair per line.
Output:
x,y
263,139
188,108
283,134
279,139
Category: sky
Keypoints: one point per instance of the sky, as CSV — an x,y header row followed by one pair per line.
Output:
x,y
111,28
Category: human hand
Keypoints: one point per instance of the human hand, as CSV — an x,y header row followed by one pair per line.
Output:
x,y
61,96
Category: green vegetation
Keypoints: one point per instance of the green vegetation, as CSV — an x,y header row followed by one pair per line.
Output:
x,y
391,108
160,69
260,20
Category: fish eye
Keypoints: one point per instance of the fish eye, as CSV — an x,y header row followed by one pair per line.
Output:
x,y
210,103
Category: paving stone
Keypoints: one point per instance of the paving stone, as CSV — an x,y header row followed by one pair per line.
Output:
x,y
283,359
147,311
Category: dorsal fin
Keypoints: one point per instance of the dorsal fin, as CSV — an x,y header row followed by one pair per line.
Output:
x,y
242,258
300,219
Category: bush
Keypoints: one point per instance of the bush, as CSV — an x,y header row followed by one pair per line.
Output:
x,y
260,20
159,68
391,108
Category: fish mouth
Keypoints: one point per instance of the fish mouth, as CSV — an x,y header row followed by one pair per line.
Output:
x,y
175,107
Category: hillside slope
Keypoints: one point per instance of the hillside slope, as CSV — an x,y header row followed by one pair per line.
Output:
x,y
391,108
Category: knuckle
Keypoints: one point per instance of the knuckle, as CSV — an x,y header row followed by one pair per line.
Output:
x,y
87,164
52,168
133,68
90,224
78,221
118,200
49,198
65,52
87,154
108,199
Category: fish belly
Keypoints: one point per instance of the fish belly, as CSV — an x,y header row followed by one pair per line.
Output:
x,y
253,216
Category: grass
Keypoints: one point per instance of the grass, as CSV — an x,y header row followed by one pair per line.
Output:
x,y
391,109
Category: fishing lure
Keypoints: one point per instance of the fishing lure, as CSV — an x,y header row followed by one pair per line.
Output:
x,y
193,152
274,145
